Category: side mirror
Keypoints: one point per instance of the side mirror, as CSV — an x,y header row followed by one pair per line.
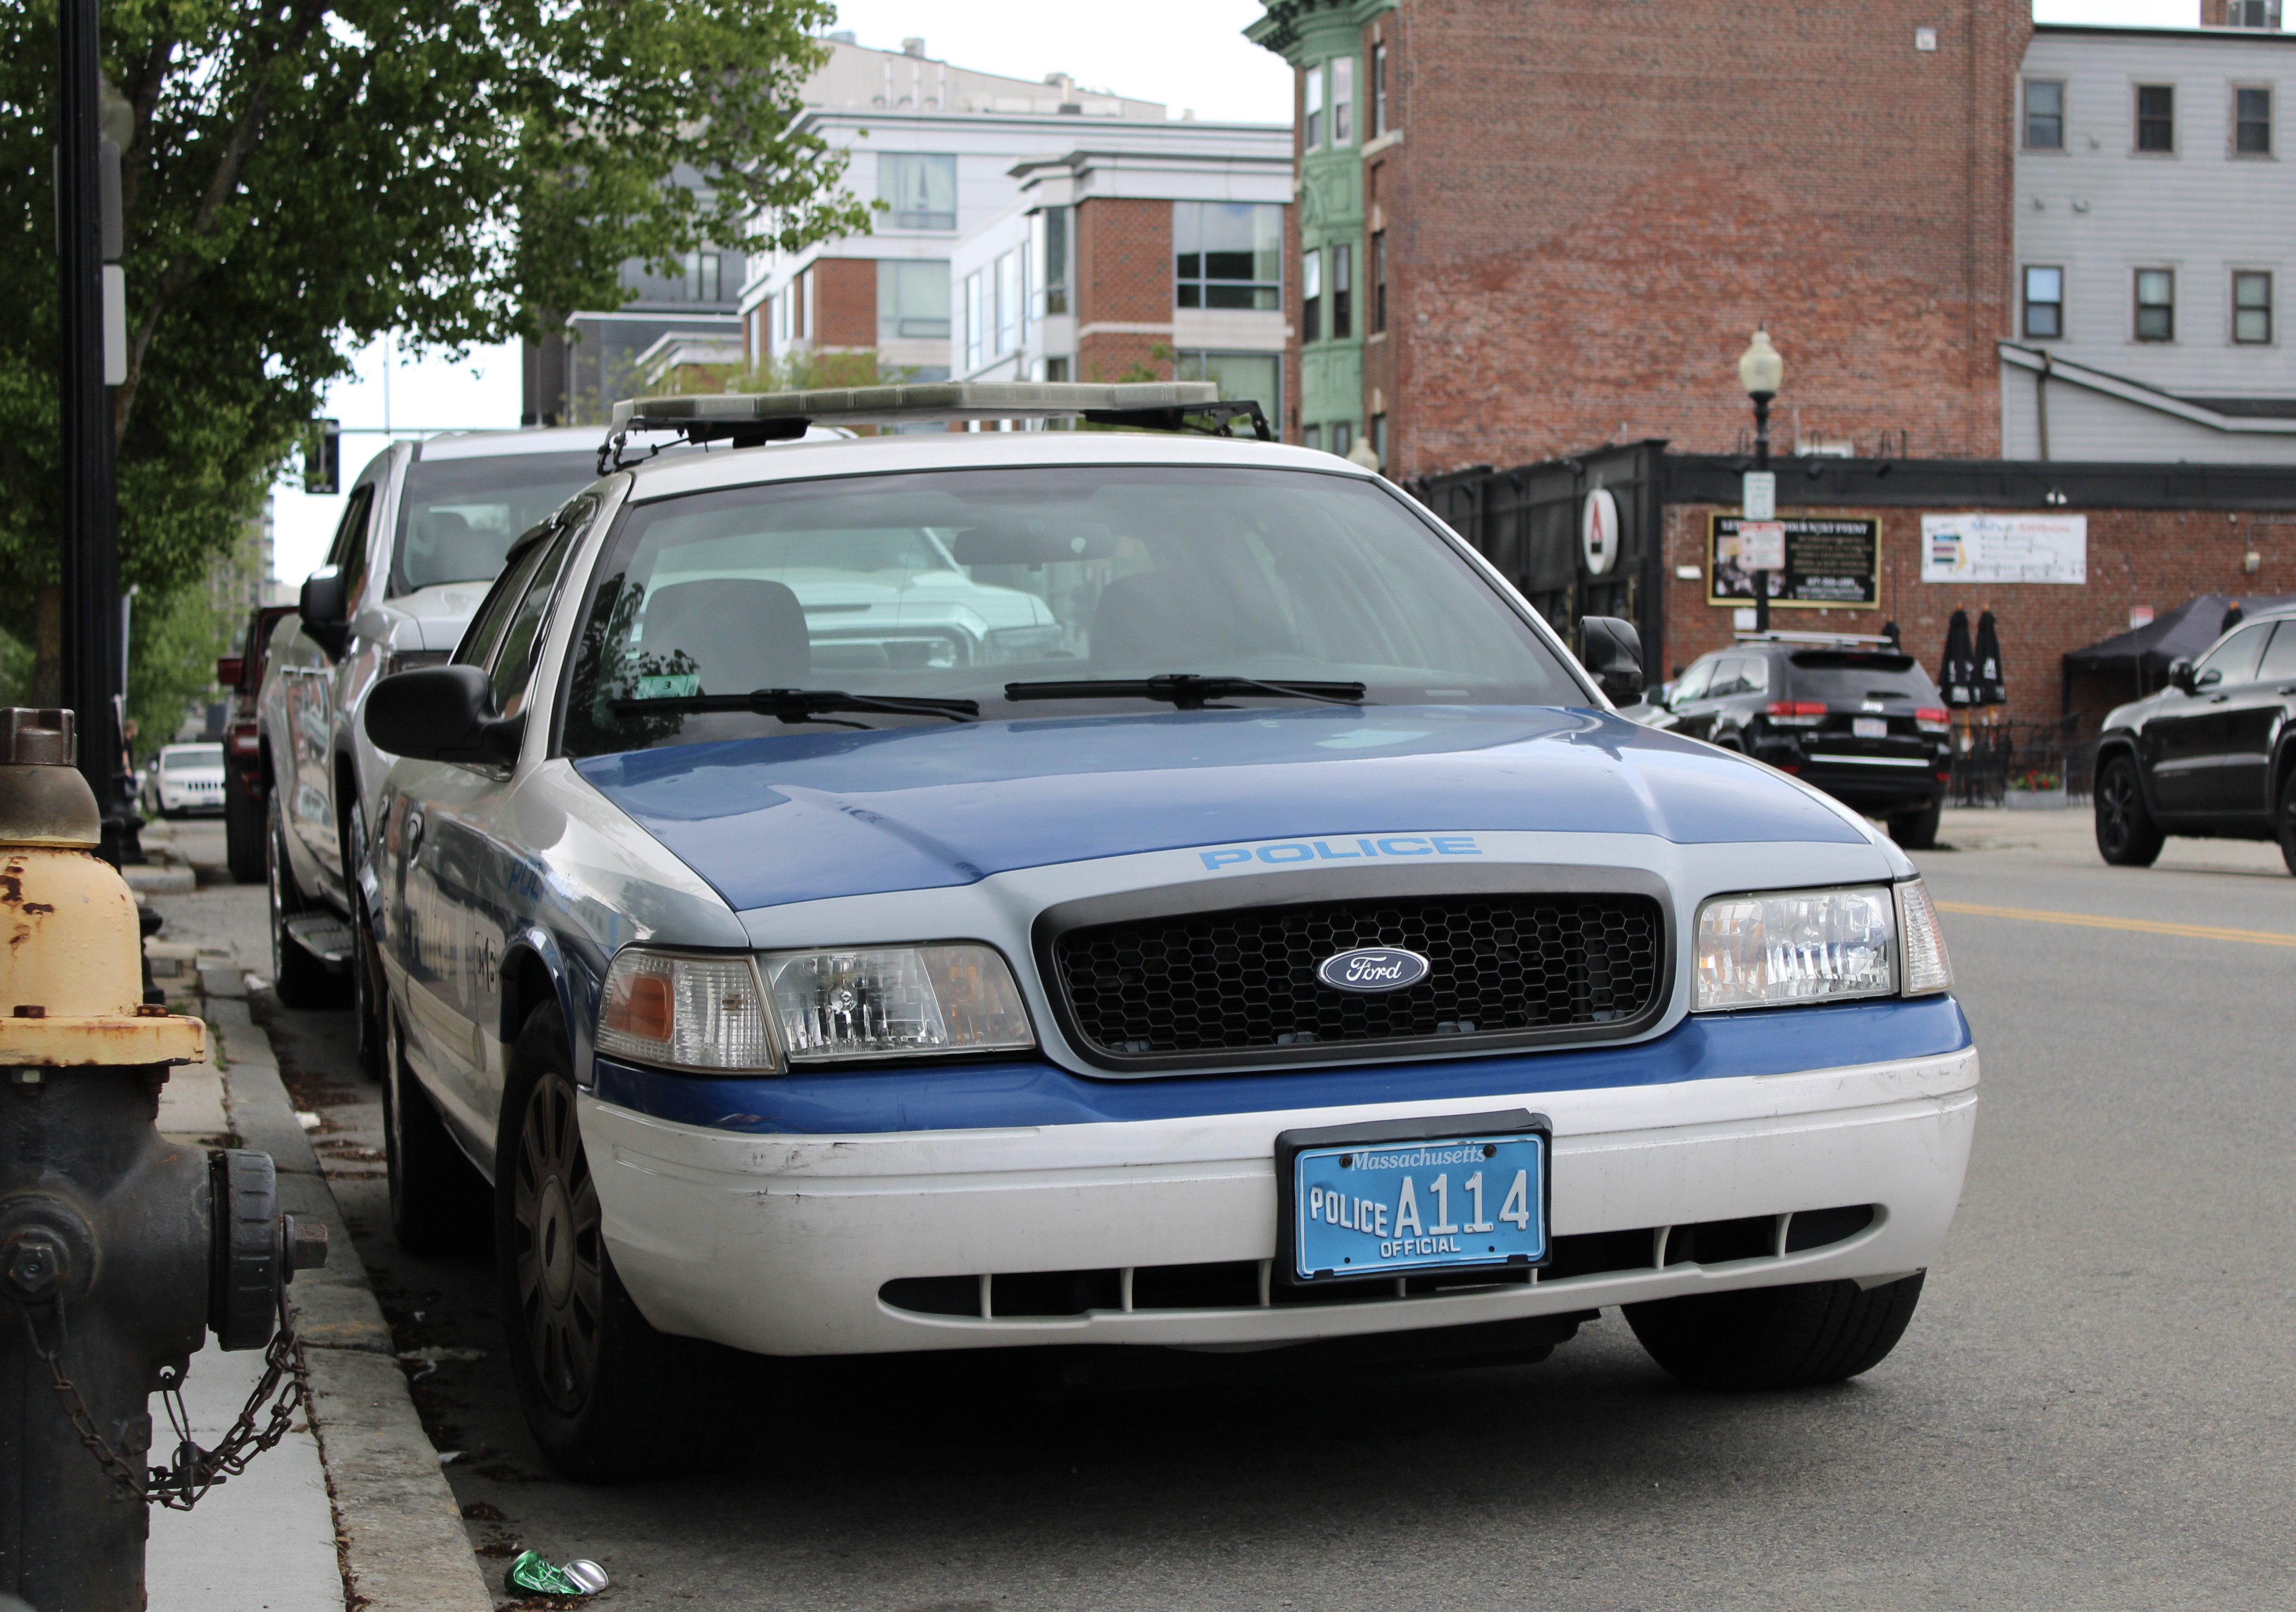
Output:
x,y
2180,675
442,712
1612,650
326,612
229,670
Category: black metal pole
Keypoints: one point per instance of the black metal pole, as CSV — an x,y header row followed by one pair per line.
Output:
x,y
90,553
1761,463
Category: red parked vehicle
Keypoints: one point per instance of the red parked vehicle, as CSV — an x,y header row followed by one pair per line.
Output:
x,y
243,784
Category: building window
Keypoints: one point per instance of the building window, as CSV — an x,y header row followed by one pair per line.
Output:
x,y
1378,281
704,282
2251,122
1241,377
1344,260
1379,438
1378,90
921,190
2156,304
1343,99
1230,254
1056,369
2045,115
1343,437
976,330
1311,295
1048,265
1313,122
1008,302
2045,303
2252,14
1313,437
2252,306
2156,118
912,299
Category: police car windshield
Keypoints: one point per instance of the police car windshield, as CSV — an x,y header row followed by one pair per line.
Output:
x,y
457,517
955,585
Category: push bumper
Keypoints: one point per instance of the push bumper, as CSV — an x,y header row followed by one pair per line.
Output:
x,y
781,1244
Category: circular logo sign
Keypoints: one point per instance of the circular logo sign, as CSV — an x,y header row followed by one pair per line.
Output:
x,y
1374,969
1598,531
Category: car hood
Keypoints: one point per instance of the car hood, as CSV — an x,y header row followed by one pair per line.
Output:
x,y
804,816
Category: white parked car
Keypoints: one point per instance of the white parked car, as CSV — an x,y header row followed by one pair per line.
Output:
x,y
189,779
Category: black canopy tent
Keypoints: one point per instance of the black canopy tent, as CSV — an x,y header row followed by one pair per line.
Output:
x,y
2138,658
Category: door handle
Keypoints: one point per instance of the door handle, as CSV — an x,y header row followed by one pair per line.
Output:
x,y
2285,688
2220,700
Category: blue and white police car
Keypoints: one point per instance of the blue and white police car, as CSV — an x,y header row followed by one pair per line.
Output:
x,y
1274,938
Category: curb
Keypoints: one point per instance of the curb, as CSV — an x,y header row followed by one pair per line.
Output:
x,y
397,1527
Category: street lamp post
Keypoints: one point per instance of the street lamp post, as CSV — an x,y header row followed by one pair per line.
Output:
x,y
1760,370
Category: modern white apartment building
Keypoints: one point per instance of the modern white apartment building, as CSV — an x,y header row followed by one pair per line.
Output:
x,y
2155,236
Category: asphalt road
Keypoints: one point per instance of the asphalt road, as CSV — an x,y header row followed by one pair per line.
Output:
x,y
2092,1409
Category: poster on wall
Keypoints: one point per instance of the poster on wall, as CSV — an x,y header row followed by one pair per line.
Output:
x,y
1833,563
2004,548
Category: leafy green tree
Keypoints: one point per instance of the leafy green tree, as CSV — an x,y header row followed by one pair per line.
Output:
x,y
300,175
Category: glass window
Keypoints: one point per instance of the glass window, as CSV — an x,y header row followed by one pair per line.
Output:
x,y
2045,303
512,664
919,190
1313,96
1228,254
1343,99
2252,305
1847,674
1008,302
1692,685
2045,115
1379,438
1379,281
347,553
1241,377
1313,437
968,580
1343,290
2251,125
1311,294
1343,437
1048,267
2279,663
976,329
704,282
457,517
2156,304
2235,659
912,299
1379,90
2156,118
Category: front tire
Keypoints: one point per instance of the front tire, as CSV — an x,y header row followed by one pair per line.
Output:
x,y
439,1202
365,966
301,979
609,1399
1794,1337
1917,830
243,820
2127,836
2286,822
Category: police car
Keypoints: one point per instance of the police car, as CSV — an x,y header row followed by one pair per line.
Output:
x,y
1283,944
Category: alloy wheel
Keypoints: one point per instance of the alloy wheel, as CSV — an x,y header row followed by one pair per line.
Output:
x,y
557,1250
2116,804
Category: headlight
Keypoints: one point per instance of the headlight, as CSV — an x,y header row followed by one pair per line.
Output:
x,y
1795,946
890,1001
687,1011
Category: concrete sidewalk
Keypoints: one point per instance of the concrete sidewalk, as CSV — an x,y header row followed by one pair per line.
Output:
x,y
351,1509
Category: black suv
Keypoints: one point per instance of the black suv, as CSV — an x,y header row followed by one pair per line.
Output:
x,y
1858,717
2212,753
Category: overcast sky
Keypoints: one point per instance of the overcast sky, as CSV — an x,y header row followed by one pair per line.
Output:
x,y
1189,53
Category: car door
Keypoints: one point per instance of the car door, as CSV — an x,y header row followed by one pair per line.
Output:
x,y
310,687
2190,740
470,875
1689,690
2252,713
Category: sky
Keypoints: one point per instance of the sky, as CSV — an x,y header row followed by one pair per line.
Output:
x,y
1189,53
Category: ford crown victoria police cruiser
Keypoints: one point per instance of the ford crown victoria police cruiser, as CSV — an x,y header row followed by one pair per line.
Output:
x,y
1291,947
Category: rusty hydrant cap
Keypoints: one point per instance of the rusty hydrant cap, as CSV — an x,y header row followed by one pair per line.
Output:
x,y
44,799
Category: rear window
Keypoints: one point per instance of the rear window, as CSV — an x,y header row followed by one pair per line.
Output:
x,y
1844,674
457,517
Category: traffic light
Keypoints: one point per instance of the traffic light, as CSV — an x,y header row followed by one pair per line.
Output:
x,y
323,458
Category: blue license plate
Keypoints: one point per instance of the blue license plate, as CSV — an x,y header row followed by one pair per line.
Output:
x,y
1378,1206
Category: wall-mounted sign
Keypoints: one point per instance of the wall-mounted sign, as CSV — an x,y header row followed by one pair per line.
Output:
x,y
1831,562
1598,532
2004,548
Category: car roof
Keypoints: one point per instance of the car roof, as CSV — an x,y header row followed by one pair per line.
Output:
x,y
498,444
940,450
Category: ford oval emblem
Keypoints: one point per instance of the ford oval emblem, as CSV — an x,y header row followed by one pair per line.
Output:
x,y
1374,969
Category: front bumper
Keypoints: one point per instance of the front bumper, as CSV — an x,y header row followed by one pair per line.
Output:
x,y
780,1243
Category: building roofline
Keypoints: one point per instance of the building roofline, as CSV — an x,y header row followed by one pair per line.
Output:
x,y
2144,395
1030,165
882,115
2147,31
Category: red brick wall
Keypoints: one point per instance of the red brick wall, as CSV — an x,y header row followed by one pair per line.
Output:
x,y
1123,276
1597,202
845,302
2135,557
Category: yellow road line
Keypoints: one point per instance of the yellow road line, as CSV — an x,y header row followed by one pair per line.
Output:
x,y
2143,926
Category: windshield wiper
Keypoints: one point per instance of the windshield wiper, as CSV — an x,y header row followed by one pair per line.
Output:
x,y
803,704
1185,689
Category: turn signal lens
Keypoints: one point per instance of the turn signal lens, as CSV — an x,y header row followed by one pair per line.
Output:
x,y
1927,969
895,1002
687,1012
1794,947
1932,719
1796,713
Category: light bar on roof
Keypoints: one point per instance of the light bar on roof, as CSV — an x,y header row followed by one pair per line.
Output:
x,y
903,405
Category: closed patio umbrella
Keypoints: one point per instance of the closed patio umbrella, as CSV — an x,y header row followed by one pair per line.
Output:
x,y
1988,686
1959,673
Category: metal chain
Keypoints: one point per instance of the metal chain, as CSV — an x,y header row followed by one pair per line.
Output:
x,y
180,1486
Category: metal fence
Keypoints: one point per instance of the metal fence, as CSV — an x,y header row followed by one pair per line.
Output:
x,y
2036,760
